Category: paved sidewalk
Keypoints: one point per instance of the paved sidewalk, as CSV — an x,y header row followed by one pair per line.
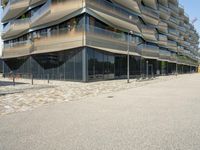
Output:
x,y
159,116
25,97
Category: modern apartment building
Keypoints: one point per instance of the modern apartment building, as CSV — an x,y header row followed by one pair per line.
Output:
x,y
88,40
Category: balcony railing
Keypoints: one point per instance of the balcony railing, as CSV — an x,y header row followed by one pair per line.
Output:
x,y
147,29
163,8
163,27
106,39
174,20
17,44
173,57
115,10
13,8
150,12
52,11
17,49
42,10
6,28
36,1
148,50
180,48
173,8
164,54
174,32
162,37
58,40
162,40
182,29
6,9
172,43
15,27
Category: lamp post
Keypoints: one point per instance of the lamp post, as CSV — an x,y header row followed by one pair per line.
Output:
x,y
128,57
147,69
177,64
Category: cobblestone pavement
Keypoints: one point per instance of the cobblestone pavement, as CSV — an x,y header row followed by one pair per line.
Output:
x,y
24,96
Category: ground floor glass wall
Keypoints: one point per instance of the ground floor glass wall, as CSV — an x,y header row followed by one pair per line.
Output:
x,y
65,65
88,64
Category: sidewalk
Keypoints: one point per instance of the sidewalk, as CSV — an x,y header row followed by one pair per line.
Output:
x,y
163,115
24,96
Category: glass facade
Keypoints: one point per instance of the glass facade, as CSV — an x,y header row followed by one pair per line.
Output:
x,y
1,66
99,65
104,66
84,63
65,65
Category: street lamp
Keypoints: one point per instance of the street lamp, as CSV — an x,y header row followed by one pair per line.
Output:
x,y
128,57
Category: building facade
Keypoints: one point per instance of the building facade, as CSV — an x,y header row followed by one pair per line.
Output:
x,y
88,40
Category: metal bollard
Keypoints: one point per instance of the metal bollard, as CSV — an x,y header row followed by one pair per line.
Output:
x,y
48,78
13,80
32,79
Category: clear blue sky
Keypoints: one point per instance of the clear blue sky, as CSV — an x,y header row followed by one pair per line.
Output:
x,y
192,8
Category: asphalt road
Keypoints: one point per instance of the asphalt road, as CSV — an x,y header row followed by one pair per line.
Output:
x,y
160,116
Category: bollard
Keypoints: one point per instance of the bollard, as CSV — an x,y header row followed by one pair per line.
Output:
x,y
48,78
32,79
13,80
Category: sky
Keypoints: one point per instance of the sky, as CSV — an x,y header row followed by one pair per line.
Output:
x,y
192,8
1,44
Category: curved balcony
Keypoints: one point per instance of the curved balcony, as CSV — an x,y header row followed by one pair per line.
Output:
x,y
130,4
148,33
174,8
163,2
174,20
58,40
172,45
148,51
180,48
181,29
186,44
162,40
173,34
164,12
165,55
150,3
162,27
15,27
14,8
114,15
51,11
150,15
17,49
174,57
110,41
34,2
